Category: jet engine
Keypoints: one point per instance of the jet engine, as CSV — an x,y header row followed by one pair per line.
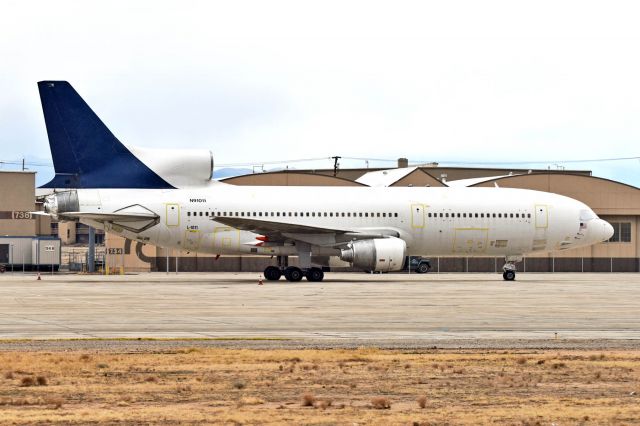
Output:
x,y
61,202
379,254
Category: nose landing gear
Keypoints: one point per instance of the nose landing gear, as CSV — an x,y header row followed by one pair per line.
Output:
x,y
509,268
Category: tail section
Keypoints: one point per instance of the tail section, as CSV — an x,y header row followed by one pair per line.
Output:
x,y
85,152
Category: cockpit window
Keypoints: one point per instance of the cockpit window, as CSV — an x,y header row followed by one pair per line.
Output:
x,y
587,215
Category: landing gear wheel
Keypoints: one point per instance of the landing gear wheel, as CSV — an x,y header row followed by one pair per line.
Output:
x,y
509,275
272,273
293,274
315,275
423,268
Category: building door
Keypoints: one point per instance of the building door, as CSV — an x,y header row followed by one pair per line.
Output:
x,y
4,253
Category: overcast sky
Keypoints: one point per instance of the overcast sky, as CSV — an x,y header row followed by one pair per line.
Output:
x,y
447,81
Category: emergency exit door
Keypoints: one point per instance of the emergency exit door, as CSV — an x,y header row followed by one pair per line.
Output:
x,y
417,215
542,216
173,215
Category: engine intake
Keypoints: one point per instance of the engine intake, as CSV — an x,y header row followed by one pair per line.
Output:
x,y
379,254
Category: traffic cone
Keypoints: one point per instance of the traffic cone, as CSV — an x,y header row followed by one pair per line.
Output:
x,y
260,280
39,276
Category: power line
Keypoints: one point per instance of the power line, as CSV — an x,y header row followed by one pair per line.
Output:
x,y
503,163
253,163
26,163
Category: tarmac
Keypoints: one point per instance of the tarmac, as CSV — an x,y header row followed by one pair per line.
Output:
x,y
347,309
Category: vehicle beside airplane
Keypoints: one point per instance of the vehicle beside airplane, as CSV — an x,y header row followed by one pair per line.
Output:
x,y
167,198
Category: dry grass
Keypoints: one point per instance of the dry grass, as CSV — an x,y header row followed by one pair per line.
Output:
x,y
422,401
380,403
308,400
365,386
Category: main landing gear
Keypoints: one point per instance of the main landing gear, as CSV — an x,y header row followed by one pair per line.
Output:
x,y
509,268
292,273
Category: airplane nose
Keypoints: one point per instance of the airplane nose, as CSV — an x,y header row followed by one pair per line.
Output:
x,y
608,230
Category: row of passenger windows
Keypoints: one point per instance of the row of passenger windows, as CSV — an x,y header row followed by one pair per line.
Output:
x,y
359,214
296,214
481,215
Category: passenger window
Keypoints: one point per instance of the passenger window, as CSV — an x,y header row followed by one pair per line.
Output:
x,y
511,215
464,215
188,213
396,214
529,215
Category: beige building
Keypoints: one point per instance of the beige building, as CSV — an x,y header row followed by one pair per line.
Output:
x,y
25,238
17,201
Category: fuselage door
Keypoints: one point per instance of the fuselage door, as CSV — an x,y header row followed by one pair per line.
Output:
x,y
417,215
542,216
173,214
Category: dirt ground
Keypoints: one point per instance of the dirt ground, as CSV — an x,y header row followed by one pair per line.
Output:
x,y
335,386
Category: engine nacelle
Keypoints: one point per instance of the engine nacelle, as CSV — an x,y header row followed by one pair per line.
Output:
x,y
380,254
179,167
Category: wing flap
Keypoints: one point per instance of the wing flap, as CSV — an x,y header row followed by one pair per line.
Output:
x,y
282,231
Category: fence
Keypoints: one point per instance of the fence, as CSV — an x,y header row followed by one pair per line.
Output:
x,y
537,264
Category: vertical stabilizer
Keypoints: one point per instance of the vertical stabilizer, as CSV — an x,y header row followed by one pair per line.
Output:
x,y
85,152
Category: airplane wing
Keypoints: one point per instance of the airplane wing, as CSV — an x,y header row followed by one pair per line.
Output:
x,y
282,231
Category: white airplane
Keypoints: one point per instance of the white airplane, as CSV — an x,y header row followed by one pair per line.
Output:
x,y
167,198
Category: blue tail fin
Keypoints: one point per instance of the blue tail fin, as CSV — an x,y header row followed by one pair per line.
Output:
x,y
85,153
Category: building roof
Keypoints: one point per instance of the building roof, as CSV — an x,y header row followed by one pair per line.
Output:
x,y
384,177
475,181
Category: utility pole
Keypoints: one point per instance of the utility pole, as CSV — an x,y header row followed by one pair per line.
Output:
x,y
335,164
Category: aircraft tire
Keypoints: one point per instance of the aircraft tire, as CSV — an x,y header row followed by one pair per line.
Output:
x,y
293,274
509,275
272,273
315,275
